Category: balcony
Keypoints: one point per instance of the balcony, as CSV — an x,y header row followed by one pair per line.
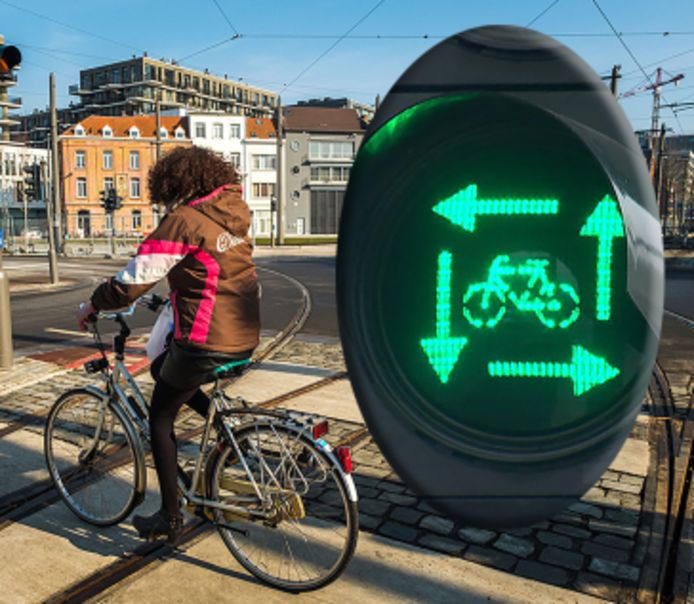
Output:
x,y
75,90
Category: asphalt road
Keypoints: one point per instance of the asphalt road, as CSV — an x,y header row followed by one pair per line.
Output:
x,y
42,320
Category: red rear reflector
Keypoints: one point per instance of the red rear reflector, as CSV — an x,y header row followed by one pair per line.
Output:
x,y
320,429
345,458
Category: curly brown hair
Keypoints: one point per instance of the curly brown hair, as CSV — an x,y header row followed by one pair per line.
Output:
x,y
187,173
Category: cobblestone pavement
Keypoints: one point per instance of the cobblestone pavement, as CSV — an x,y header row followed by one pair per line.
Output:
x,y
596,546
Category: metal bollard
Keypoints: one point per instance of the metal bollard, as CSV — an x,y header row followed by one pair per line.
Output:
x,y
6,352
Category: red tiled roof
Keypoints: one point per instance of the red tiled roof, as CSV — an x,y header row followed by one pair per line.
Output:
x,y
321,119
260,127
146,124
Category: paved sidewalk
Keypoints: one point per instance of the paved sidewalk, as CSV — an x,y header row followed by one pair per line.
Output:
x,y
594,548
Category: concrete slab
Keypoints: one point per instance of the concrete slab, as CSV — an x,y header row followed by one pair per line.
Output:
x,y
633,458
336,401
273,379
21,460
382,571
53,549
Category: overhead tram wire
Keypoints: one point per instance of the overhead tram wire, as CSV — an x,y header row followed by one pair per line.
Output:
x,y
226,18
333,45
546,10
57,21
661,61
633,57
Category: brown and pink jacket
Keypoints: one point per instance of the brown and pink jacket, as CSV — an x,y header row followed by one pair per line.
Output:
x,y
204,249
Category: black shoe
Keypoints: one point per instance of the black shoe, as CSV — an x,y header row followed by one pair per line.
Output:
x,y
160,524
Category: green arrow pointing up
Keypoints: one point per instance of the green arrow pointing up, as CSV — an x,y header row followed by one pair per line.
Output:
x,y
443,350
605,223
463,207
586,370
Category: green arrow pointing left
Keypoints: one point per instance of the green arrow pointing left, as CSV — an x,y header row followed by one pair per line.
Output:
x,y
443,350
586,370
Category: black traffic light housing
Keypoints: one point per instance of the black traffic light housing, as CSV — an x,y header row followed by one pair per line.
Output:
x,y
111,201
32,182
10,57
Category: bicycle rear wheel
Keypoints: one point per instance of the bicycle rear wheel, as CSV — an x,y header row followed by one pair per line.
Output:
x,y
91,456
309,530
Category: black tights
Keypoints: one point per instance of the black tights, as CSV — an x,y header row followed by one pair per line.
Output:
x,y
166,401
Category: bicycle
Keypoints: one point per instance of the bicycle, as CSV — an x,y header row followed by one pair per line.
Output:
x,y
277,493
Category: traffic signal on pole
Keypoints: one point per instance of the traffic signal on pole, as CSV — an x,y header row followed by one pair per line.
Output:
x,y
32,182
10,58
110,200
499,277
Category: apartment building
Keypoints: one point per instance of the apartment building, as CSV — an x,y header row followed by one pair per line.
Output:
x,y
17,213
101,153
319,149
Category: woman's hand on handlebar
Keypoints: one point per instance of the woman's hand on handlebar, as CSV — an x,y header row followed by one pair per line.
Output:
x,y
86,313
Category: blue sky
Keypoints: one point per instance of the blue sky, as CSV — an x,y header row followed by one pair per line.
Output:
x,y
359,68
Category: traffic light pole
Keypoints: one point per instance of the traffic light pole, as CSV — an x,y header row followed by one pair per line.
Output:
x,y
55,168
52,203
278,187
6,352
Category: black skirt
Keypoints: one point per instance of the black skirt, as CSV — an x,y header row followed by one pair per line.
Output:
x,y
185,368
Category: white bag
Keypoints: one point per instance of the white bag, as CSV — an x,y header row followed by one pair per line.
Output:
x,y
163,326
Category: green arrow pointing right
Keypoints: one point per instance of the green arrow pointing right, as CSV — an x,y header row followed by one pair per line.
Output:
x,y
586,370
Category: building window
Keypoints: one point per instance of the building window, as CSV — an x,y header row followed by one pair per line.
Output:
x,y
330,173
134,160
200,130
264,162
137,220
80,159
300,226
179,132
106,131
134,132
107,160
135,187
235,159
263,190
330,150
108,183
109,221
217,130
79,131
81,188
163,133
235,131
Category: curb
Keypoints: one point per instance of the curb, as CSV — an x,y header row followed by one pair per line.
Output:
x,y
49,289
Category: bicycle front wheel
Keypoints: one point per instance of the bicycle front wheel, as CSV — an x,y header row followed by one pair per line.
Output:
x,y
90,453
302,531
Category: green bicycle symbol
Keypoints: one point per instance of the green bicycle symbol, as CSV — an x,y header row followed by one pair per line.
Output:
x,y
526,286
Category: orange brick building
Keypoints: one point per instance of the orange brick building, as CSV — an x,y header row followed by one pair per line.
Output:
x,y
103,152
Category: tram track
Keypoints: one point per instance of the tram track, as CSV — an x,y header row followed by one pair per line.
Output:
x,y
672,437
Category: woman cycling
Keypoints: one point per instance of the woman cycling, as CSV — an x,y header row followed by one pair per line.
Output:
x,y
202,247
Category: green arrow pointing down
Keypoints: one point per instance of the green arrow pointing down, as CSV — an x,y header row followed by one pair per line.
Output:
x,y
605,223
586,370
443,350
463,207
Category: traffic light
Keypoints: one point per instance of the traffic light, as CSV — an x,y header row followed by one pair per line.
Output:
x,y
32,182
110,200
10,58
499,277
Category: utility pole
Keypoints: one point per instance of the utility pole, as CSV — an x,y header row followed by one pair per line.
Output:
x,y
658,176
52,203
281,217
614,76
157,112
55,168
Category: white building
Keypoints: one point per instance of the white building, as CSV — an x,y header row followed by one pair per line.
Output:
x,y
251,145
15,209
